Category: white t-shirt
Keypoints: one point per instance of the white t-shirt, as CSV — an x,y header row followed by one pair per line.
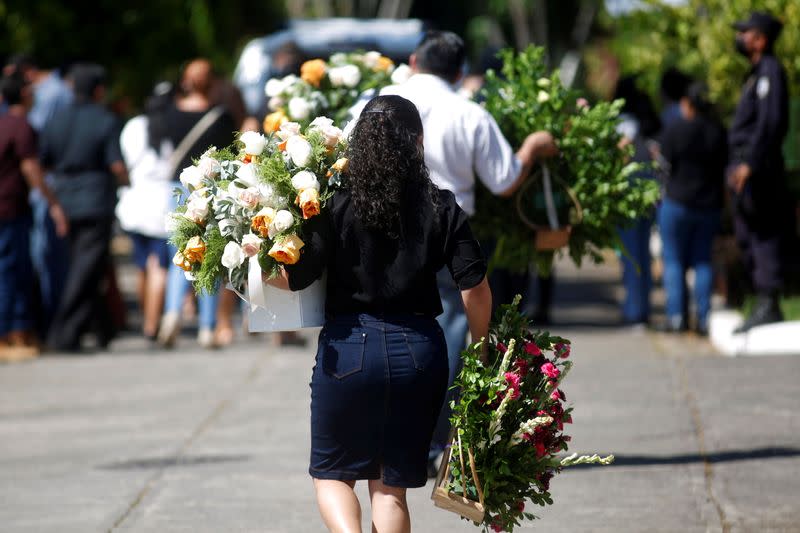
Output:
x,y
143,207
461,140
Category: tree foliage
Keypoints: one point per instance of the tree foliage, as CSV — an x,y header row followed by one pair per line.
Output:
x,y
139,42
698,38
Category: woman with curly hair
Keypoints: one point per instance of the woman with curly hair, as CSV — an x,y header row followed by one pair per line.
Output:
x,y
381,366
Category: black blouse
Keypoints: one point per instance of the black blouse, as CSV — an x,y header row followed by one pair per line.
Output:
x,y
371,273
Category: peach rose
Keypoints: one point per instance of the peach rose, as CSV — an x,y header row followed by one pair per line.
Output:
x,y
384,64
195,250
180,261
287,251
274,121
341,165
262,220
313,71
308,200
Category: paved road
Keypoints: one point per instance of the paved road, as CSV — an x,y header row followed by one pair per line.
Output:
x,y
190,440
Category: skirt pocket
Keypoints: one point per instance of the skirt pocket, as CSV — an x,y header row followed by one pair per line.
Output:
x,y
343,354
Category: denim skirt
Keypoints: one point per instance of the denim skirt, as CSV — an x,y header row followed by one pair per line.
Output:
x,y
376,391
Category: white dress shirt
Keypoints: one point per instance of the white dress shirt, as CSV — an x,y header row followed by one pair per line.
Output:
x,y
461,140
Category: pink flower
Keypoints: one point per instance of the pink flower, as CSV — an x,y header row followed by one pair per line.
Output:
x,y
582,103
550,370
563,350
555,395
532,349
513,380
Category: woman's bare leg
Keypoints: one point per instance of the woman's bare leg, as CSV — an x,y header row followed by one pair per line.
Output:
x,y
338,505
153,304
389,508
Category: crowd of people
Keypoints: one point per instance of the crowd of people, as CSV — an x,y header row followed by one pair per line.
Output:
x,y
69,170
701,167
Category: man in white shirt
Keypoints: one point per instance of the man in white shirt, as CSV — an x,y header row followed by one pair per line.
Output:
x,y
461,140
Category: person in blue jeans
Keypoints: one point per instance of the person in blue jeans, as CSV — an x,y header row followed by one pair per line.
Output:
x,y
695,149
638,125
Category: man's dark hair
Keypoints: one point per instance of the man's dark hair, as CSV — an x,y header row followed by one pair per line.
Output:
x,y
86,78
441,53
11,88
674,84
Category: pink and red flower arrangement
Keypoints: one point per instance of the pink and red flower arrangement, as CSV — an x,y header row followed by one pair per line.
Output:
x,y
511,414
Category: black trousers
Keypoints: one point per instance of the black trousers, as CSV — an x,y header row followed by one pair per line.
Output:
x,y
763,223
83,305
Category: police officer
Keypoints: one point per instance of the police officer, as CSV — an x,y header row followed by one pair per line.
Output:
x,y
756,171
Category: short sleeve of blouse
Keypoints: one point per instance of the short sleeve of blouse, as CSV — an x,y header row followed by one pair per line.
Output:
x,y
463,255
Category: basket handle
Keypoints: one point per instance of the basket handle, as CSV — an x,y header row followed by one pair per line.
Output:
x,y
475,475
548,199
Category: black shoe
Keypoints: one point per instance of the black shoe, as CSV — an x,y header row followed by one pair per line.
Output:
x,y
767,311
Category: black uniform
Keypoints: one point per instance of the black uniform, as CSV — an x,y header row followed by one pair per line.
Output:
x,y
756,137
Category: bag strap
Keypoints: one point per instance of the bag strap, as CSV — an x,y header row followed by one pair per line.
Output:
x,y
191,138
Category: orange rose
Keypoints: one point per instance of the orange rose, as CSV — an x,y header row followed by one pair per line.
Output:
x,y
308,200
287,251
195,250
274,121
313,71
262,220
384,64
180,261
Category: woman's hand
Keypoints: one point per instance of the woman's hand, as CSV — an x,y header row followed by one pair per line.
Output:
x,y
279,282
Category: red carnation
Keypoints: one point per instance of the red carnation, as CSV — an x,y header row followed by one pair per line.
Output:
x,y
502,347
522,366
563,349
532,349
520,506
541,451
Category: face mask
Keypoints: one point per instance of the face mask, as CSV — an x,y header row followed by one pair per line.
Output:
x,y
741,46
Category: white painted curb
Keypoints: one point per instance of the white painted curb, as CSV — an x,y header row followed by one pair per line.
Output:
x,y
780,338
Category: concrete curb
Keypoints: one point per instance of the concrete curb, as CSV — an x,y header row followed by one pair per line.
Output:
x,y
781,338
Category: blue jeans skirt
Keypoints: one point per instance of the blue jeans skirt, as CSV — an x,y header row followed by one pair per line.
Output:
x,y
376,391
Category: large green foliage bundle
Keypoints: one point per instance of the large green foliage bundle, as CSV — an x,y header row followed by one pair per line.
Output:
x,y
528,97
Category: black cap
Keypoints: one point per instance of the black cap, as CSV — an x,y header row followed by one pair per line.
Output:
x,y
763,22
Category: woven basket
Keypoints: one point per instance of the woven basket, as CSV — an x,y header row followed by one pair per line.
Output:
x,y
548,238
451,501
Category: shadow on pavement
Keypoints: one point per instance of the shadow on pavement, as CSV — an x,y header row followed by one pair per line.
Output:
x,y
716,457
168,462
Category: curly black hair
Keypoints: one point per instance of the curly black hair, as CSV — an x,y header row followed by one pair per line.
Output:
x,y
387,169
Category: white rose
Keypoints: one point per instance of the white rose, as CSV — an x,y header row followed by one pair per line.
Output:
x,y
347,75
371,59
331,135
232,256
254,142
305,180
251,244
247,174
249,197
299,150
267,193
283,221
401,74
274,87
543,82
321,122
288,129
337,58
191,177
275,103
197,209
299,108
542,97
209,167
